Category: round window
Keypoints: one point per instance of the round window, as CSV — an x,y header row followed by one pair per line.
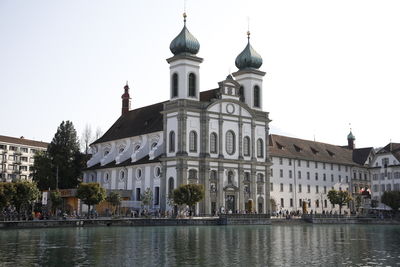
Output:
x,y
157,171
138,173
106,178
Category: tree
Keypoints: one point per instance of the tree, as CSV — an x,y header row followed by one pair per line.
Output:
x,y
25,194
114,198
339,197
86,138
7,191
188,194
147,197
91,194
358,201
98,134
391,199
62,162
56,200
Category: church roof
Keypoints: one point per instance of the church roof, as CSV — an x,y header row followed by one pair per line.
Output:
x,y
125,163
136,122
393,148
143,120
284,146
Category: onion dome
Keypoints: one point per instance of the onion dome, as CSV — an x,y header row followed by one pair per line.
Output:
x,y
248,58
185,42
350,136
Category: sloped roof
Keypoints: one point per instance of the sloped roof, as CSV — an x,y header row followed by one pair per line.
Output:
x,y
125,163
360,155
284,146
393,148
23,141
136,122
143,120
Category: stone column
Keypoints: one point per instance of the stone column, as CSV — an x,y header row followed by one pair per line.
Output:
x,y
220,137
163,187
253,186
241,187
204,135
220,193
206,184
253,140
182,132
240,138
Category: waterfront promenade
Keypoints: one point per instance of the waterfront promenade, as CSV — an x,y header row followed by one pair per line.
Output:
x,y
225,219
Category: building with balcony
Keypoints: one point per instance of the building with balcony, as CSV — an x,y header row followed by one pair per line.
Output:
x,y
17,157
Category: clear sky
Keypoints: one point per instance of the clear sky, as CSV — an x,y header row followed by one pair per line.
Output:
x,y
328,63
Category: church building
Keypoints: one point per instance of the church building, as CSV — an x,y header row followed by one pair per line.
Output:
x,y
217,138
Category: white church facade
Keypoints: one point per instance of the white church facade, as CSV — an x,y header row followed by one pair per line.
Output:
x,y
217,138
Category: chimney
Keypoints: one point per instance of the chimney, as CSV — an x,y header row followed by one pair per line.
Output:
x,y
126,100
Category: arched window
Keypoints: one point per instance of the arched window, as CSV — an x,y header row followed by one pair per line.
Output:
x,y
193,141
122,175
241,93
246,146
106,178
260,178
213,175
260,148
175,85
192,84
170,185
193,174
171,141
256,96
230,142
213,143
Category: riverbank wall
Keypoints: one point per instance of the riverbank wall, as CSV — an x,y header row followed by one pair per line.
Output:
x,y
223,220
315,219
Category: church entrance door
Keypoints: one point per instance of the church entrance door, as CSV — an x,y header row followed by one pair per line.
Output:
x,y
230,203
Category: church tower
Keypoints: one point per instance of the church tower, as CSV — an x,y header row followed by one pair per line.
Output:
x,y
350,140
184,65
126,100
249,76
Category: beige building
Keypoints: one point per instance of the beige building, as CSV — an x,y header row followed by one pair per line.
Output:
x,y
17,157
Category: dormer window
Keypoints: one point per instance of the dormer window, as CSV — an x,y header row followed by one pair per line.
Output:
x,y
153,145
121,149
330,153
314,151
106,152
279,146
297,148
137,147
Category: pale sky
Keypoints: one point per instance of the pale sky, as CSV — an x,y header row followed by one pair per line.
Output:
x,y
328,63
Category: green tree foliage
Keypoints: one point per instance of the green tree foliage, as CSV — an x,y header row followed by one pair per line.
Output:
x,y
147,197
188,194
56,200
340,198
7,192
391,199
25,194
114,198
62,154
91,193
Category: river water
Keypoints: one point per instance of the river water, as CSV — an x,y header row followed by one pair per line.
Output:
x,y
272,245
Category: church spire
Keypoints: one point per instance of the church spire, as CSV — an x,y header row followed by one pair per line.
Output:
x,y
126,100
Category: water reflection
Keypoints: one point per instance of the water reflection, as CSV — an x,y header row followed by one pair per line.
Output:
x,y
287,245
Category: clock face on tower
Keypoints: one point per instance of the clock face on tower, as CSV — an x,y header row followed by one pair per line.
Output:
x,y
230,108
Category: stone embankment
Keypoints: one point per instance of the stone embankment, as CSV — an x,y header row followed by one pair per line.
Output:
x,y
343,219
231,219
